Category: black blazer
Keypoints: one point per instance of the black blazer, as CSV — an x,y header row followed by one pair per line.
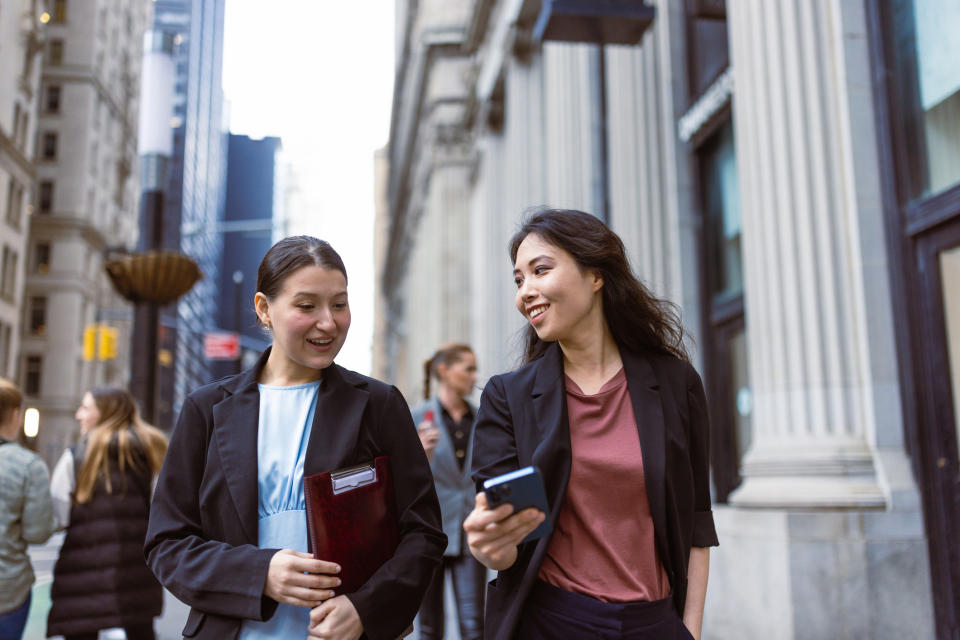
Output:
x,y
202,537
523,421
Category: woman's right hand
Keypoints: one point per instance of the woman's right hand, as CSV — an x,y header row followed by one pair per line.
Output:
x,y
300,579
493,534
429,434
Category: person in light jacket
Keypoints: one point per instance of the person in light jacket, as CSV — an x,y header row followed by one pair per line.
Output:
x,y
445,423
26,514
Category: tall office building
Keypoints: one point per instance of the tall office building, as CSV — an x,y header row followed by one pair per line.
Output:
x,y
86,201
195,194
22,35
255,192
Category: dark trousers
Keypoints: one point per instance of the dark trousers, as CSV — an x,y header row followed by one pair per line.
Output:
x,y
469,587
14,621
551,613
139,632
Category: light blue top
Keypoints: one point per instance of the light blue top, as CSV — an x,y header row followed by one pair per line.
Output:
x,y
283,429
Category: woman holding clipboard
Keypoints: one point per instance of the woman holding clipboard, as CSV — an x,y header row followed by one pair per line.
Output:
x,y
613,415
228,532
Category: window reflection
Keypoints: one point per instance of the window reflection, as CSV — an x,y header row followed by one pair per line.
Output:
x,y
950,279
742,396
722,208
926,51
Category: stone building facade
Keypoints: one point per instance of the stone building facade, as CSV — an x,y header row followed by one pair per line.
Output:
x,y
85,201
788,174
21,52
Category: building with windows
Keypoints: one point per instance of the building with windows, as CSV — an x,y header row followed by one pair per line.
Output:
x,y
194,198
22,35
788,174
86,199
254,210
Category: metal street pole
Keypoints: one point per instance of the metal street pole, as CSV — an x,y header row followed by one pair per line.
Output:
x,y
155,147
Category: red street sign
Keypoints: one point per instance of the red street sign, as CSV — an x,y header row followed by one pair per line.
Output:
x,y
221,345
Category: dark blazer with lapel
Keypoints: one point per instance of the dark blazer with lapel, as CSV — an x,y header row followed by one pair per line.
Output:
x,y
523,421
202,537
454,485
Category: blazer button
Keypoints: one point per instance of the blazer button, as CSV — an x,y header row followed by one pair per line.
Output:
x,y
461,453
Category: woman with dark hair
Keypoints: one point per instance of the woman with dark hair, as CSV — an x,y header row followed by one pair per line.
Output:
x,y
228,532
101,493
445,423
611,412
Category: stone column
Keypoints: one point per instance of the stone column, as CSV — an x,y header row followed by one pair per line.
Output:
x,y
572,119
807,324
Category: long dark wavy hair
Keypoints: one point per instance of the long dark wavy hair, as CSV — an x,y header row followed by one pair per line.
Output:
x,y
639,321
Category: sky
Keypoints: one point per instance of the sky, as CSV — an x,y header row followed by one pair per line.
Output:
x,y
319,75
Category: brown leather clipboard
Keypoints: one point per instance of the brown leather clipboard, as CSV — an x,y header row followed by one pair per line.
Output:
x,y
352,520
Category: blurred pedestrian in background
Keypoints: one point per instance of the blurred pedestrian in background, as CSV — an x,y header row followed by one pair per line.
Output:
x,y
610,410
445,423
26,514
228,530
101,489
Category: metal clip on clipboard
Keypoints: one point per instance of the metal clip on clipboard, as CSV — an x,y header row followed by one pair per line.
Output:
x,y
353,478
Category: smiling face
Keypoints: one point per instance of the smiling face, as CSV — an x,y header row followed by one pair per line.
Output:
x,y
561,301
309,319
88,415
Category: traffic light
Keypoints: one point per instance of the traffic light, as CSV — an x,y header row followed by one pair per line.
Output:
x,y
90,342
108,343
99,342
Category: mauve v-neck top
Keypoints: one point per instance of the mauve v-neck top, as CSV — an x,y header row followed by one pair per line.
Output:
x,y
603,542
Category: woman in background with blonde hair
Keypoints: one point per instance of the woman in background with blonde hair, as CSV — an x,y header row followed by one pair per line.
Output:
x,y
445,424
101,489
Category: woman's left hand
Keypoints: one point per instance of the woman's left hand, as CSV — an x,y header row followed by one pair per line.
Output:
x,y
335,619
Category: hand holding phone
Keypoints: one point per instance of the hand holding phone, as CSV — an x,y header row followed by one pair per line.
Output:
x,y
495,531
523,489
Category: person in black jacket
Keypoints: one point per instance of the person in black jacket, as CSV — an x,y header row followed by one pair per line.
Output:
x,y
610,411
227,528
101,494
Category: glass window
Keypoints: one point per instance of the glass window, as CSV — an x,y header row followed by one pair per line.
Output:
x,y
38,315
926,91
31,375
721,201
14,204
741,395
60,10
5,332
11,195
9,279
45,199
950,282
41,257
52,103
55,53
49,147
